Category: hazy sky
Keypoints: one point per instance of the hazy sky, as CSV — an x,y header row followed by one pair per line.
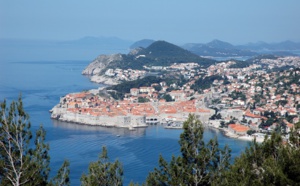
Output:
x,y
177,21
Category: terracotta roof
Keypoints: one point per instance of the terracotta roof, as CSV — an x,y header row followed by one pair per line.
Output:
x,y
249,114
238,127
203,110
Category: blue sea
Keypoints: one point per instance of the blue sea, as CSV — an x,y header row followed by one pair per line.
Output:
x,y
42,83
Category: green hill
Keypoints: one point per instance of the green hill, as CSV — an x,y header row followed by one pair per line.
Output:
x,y
159,53
166,50
142,43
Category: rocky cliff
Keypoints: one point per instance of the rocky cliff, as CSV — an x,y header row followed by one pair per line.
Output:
x,y
100,63
96,67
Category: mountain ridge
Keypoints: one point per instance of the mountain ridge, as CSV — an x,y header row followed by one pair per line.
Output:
x,y
218,48
159,53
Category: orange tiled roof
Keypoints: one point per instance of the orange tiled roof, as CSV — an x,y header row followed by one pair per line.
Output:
x,y
203,110
249,114
80,95
238,127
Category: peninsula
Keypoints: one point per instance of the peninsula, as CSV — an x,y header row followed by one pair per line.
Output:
x,y
243,98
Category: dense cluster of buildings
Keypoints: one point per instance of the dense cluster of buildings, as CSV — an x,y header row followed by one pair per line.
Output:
x,y
87,108
125,75
259,100
252,100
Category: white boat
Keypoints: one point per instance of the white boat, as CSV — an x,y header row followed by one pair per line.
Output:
x,y
174,125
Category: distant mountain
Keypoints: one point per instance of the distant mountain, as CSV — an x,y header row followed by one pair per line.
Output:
x,y
142,43
163,53
217,48
281,46
219,44
81,49
159,53
160,49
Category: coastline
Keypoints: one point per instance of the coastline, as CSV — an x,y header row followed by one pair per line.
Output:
x,y
61,114
246,137
102,79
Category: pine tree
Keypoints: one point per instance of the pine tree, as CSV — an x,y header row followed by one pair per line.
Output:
x,y
22,162
199,164
103,172
273,162
62,177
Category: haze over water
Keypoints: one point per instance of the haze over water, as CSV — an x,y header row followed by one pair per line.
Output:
x,y
42,83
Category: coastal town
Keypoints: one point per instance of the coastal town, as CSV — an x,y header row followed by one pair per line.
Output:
x,y
246,102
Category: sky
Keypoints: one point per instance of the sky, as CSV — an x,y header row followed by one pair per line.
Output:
x,y
177,21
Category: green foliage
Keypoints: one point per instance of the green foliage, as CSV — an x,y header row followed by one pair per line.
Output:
x,y
157,87
143,100
205,83
126,86
291,77
257,98
250,132
22,162
199,163
24,159
165,54
216,116
269,114
223,124
281,102
159,53
271,163
62,177
241,64
290,118
168,98
103,172
237,95
116,95
121,89
216,101
118,91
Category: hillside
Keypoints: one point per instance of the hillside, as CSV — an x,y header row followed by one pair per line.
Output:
x,y
218,48
142,43
263,46
159,53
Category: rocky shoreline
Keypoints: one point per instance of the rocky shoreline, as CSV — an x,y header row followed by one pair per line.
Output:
x,y
95,68
104,80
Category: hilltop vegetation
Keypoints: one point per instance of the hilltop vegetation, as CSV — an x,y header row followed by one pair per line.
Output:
x,y
142,43
159,53
206,82
121,89
118,91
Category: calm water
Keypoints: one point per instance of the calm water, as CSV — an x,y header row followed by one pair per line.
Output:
x,y
43,83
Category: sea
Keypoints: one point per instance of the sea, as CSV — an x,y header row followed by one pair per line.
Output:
x,y
42,83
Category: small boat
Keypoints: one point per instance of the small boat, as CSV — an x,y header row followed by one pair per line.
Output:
x,y
174,125
118,135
